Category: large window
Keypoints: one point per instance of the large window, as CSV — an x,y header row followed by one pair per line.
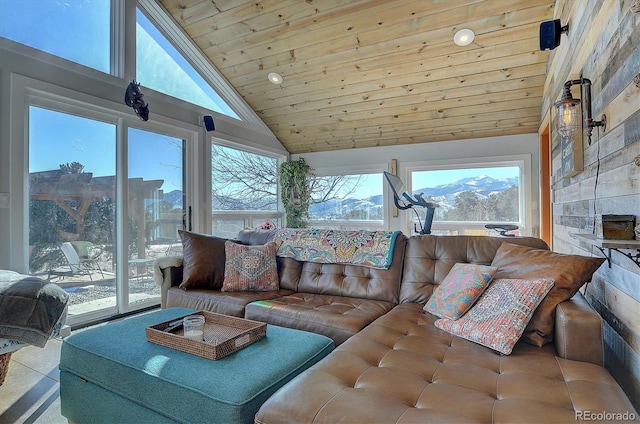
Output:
x,y
161,67
349,201
72,207
244,190
76,202
78,31
469,198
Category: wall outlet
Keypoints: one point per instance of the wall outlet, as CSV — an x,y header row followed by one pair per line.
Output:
x,y
4,200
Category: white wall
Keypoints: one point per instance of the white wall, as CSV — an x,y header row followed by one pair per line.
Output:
x,y
412,155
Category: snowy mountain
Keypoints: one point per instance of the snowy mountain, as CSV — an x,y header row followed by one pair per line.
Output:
x,y
443,194
371,208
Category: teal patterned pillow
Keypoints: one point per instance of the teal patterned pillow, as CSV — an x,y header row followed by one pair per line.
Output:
x,y
500,316
250,268
459,290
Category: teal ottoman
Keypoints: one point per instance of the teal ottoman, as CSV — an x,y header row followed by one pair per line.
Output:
x,y
112,374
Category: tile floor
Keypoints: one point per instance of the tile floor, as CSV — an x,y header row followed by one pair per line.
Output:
x,y
31,390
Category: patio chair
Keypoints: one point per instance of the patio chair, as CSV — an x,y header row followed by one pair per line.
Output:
x,y
75,264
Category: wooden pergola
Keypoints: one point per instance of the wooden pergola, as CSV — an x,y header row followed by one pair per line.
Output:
x,y
82,189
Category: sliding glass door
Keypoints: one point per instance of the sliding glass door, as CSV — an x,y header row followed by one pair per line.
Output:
x,y
72,207
156,208
102,209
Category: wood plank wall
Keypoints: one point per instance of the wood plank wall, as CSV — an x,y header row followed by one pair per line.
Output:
x,y
603,44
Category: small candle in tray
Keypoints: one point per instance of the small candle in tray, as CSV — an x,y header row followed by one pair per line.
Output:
x,y
194,327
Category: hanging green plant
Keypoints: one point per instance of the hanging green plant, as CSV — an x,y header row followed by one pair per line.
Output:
x,y
295,194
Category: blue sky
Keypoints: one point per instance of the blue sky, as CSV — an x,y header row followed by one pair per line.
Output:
x,y
56,138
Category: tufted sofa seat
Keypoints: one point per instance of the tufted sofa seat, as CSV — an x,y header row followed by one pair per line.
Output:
x,y
393,365
402,369
335,300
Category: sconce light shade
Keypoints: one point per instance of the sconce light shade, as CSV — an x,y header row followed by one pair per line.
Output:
x,y
568,109
568,113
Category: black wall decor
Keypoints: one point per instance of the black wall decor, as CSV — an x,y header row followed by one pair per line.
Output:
x,y
133,98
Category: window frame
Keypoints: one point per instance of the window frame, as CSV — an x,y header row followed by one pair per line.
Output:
x,y
30,92
525,203
251,218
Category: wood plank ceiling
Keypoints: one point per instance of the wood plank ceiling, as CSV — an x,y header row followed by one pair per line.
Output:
x,y
377,72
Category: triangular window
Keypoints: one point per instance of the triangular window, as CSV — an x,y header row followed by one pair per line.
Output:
x,y
161,67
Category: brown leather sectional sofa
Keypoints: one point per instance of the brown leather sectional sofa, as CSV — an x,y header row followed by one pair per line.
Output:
x,y
392,365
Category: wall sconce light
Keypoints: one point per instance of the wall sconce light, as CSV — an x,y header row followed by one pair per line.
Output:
x,y
568,110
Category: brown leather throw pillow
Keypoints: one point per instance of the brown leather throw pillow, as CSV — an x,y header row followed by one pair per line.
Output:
x,y
203,261
569,273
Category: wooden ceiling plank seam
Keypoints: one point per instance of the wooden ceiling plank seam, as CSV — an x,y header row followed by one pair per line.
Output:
x,y
330,145
399,96
437,128
417,84
351,119
319,46
410,78
382,137
397,62
336,20
399,105
380,121
303,18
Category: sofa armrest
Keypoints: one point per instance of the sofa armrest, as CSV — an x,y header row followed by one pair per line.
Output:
x,y
579,333
167,273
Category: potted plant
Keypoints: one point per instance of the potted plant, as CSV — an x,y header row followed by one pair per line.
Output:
x,y
295,193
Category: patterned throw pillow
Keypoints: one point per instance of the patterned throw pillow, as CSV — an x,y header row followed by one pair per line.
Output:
x,y
499,317
250,268
459,290
568,272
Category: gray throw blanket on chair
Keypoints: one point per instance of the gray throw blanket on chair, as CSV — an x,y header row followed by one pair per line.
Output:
x,y
29,308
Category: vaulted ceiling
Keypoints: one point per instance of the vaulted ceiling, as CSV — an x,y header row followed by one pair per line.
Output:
x,y
377,72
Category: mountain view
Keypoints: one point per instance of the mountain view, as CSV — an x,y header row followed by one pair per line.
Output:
x,y
445,195
477,190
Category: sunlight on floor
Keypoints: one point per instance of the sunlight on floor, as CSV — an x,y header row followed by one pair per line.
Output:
x,y
31,390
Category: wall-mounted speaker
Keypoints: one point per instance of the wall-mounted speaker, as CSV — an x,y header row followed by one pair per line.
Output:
x,y
550,32
208,123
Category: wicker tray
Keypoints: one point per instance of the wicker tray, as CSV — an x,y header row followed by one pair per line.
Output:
x,y
223,335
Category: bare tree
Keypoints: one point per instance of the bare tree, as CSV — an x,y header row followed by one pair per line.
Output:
x,y
247,181
333,187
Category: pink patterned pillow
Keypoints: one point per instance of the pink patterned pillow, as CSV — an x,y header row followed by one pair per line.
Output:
x,y
459,290
250,268
499,317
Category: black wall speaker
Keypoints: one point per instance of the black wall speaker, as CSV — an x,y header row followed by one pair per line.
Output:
x,y
550,32
208,123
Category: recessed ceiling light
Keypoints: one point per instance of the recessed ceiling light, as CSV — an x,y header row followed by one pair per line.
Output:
x,y
464,37
275,77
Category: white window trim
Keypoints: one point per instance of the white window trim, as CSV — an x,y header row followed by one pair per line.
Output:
x,y
185,45
248,216
525,200
26,92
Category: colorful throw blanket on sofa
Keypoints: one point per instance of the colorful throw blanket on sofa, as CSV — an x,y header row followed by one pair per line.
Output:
x,y
372,249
